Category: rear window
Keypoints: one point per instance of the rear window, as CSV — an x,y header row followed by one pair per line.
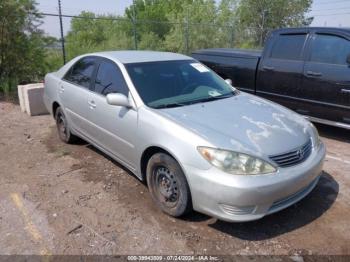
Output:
x,y
288,47
81,72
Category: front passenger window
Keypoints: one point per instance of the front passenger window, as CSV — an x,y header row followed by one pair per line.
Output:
x,y
109,79
330,49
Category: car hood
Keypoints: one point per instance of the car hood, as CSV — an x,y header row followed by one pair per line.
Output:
x,y
243,123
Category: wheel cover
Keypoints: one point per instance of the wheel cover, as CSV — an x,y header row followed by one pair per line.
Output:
x,y
62,126
166,186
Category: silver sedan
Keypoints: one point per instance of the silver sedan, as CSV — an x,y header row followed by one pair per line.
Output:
x,y
198,142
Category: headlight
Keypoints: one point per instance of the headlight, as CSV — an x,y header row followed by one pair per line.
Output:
x,y
315,136
235,163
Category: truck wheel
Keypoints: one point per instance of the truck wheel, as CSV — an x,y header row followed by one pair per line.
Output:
x,y
168,185
62,127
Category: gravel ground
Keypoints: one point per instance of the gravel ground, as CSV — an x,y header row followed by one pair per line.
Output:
x,y
72,199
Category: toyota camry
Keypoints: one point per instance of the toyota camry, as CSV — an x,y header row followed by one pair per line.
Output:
x,y
198,142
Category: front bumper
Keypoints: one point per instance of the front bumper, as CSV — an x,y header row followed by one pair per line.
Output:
x,y
244,198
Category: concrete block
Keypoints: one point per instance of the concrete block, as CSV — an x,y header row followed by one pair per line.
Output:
x,y
32,99
20,97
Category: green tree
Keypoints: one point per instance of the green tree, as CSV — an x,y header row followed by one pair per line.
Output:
x,y
183,25
195,27
149,12
97,33
152,15
53,54
258,17
22,44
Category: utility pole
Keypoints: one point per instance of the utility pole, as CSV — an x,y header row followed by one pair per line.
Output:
x,y
262,30
62,37
134,23
232,35
187,31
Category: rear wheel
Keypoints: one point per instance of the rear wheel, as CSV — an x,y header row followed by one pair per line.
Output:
x,y
168,185
62,127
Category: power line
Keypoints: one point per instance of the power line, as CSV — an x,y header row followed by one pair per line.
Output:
x,y
208,5
333,9
332,2
137,21
107,18
331,14
223,25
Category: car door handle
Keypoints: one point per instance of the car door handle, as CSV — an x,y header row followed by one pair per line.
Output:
x,y
346,91
268,68
92,104
313,74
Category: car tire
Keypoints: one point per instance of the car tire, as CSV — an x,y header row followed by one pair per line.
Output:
x,y
64,132
168,185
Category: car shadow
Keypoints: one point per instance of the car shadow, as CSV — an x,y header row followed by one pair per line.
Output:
x,y
332,132
195,217
191,217
296,216
116,163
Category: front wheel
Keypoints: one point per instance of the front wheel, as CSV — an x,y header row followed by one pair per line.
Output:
x,y
168,185
62,127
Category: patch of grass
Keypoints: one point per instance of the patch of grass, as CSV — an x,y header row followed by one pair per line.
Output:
x,y
10,97
61,152
8,90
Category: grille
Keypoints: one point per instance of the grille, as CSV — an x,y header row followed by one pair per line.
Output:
x,y
235,210
293,157
287,201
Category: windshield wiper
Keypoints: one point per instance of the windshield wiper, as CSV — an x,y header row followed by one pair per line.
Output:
x,y
207,99
170,105
212,98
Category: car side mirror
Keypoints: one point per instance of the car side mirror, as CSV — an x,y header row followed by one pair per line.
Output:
x,y
228,81
117,99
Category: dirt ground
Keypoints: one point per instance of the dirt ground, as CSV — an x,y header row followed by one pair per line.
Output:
x,y
72,199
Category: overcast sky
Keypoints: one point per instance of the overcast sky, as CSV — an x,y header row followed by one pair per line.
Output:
x,y
326,12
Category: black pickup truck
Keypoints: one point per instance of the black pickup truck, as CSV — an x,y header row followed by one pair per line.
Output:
x,y
305,69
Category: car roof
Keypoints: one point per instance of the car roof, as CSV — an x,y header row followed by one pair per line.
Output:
x,y
343,30
133,56
228,52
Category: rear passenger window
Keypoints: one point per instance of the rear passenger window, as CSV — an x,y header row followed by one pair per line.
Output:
x,y
110,79
330,49
81,72
288,47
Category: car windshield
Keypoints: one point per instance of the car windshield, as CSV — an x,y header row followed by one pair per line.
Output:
x,y
177,83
